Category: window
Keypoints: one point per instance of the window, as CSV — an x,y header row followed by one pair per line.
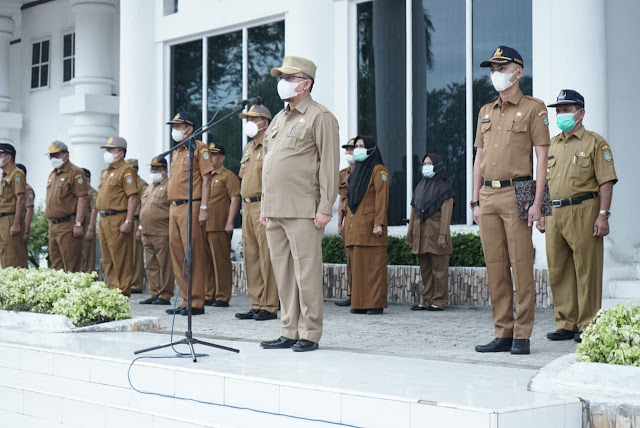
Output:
x,y
186,79
68,57
40,65
170,7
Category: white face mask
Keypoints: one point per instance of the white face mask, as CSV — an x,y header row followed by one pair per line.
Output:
x,y
156,176
177,135
350,158
287,90
56,163
502,81
109,157
251,129
427,171
4,161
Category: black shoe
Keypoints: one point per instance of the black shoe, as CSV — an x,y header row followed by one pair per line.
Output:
x,y
561,334
578,337
161,301
209,302
220,304
263,315
358,311
304,345
177,310
194,311
418,308
376,311
280,343
346,302
247,315
499,344
434,308
520,347
148,301
136,291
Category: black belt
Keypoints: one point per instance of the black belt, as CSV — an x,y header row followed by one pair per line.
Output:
x,y
62,219
178,203
254,199
504,183
576,200
6,214
136,217
112,212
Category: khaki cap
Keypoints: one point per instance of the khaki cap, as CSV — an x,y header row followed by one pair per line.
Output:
x,y
133,162
216,149
156,161
256,111
295,64
57,147
350,144
118,142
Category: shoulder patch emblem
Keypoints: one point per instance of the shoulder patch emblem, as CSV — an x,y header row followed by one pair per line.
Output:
x,y
31,195
607,156
129,179
17,179
545,120
384,176
205,155
95,197
80,180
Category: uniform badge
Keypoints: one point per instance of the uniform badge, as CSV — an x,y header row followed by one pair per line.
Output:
x,y
129,179
487,120
519,114
582,154
30,195
205,156
111,175
302,120
80,180
384,176
607,156
17,179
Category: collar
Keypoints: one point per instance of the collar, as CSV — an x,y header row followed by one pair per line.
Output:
x,y
218,170
116,165
514,99
256,143
161,182
302,105
8,173
63,168
578,134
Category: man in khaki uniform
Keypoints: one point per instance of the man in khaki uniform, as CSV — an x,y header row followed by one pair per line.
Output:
x,y
581,177
299,187
89,245
261,284
116,204
12,208
29,206
508,128
66,206
154,233
178,194
138,249
224,201
343,179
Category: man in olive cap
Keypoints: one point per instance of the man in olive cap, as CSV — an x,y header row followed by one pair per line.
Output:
x,y
12,208
66,207
300,183
116,204
138,249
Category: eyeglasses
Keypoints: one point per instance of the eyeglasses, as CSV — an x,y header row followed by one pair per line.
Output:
x,y
289,77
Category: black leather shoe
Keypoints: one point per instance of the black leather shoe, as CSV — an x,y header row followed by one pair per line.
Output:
x,y
358,311
520,347
376,311
304,345
209,302
346,302
220,304
247,315
561,334
177,310
578,337
263,315
280,343
148,301
434,308
161,301
418,308
194,311
136,291
499,344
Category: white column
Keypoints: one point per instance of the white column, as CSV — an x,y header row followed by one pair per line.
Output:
x,y
8,121
92,105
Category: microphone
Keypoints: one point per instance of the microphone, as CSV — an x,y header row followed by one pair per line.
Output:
x,y
254,100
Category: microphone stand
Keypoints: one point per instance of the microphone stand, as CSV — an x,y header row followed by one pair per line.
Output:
x,y
191,146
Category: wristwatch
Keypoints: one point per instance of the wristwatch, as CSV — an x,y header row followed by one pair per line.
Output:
x,y
127,222
140,228
78,223
605,213
474,204
204,207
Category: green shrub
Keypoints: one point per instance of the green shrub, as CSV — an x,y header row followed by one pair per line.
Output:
x,y
399,252
467,250
76,295
333,249
613,337
38,237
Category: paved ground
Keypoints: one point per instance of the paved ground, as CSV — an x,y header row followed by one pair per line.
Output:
x,y
449,335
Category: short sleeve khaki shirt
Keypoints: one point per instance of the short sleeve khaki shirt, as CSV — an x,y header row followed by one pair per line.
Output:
x,y
13,183
64,186
224,186
154,215
178,189
251,170
117,183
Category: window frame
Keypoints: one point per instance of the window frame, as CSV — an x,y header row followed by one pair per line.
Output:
x,y
71,32
40,65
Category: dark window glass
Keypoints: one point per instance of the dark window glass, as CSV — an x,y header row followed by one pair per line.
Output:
x,y
186,79
35,54
68,45
439,119
66,70
45,51
44,75
35,77
381,91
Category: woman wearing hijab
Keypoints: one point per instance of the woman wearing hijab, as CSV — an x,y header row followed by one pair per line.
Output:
x,y
365,229
429,235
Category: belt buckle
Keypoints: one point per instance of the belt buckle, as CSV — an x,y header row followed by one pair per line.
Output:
x,y
556,203
496,184
247,200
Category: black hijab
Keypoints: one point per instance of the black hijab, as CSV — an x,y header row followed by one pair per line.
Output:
x,y
361,175
431,193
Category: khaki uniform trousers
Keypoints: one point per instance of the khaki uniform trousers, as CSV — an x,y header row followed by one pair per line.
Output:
x,y
12,253
159,268
65,250
435,279
89,253
218,287
201,264
296,256
575,264
138,260
117,252
261,283
506,242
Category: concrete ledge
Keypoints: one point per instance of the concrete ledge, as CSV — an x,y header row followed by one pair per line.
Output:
x,y
62,324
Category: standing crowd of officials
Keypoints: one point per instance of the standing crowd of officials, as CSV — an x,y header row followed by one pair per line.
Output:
x,y
290,181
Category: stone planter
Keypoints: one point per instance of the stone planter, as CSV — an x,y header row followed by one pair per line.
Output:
x,y
468,286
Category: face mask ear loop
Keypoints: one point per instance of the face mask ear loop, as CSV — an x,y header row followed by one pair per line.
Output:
x,y
372,150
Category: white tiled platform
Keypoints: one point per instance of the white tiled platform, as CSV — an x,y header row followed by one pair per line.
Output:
x,y
80,380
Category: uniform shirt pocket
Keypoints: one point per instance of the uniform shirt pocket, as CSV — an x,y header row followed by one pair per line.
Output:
x,y
519,135
294,136
551,163
486,133
62,188
580,166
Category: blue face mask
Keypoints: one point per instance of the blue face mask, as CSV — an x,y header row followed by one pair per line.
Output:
x,y
360,154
